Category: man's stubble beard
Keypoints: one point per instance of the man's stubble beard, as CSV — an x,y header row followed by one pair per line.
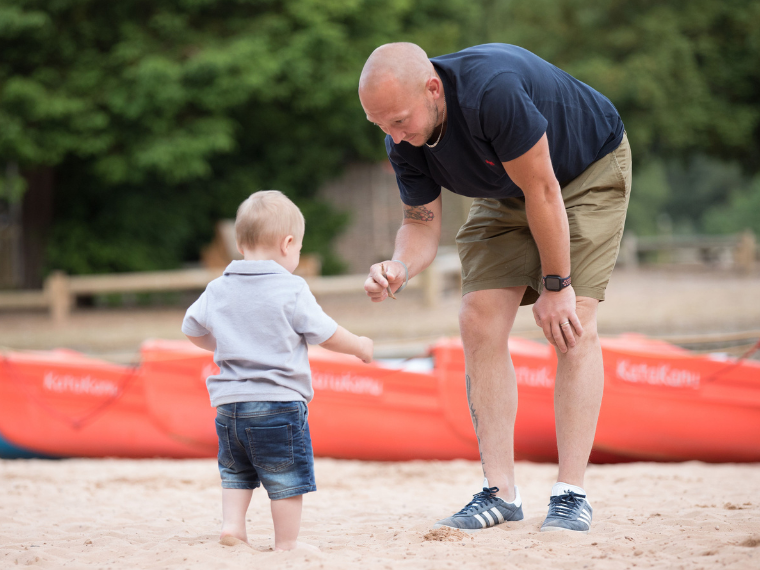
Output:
x,y
433,107
433,114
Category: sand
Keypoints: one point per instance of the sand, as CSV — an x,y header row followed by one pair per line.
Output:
x,y
155,514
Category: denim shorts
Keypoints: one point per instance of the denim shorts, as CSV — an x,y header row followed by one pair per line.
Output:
x,y
266,443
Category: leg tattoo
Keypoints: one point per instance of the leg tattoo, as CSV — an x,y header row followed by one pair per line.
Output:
x,y
474,417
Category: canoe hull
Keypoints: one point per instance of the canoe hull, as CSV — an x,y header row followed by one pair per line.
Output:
x,y
679,407
63,404
358,411
660,403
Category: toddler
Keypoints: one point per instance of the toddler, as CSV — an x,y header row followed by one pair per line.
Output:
x,y
257,319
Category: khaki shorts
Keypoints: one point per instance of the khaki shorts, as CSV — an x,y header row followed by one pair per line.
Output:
x,y
497,249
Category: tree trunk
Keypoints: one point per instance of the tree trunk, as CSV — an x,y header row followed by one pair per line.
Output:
x,y
36,218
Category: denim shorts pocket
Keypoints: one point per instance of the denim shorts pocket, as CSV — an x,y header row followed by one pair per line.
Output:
x,y
304,417
271,447
225,453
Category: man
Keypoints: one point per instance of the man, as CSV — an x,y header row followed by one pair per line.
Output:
x,y
548,163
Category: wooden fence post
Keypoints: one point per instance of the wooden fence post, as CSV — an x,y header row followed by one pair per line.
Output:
x,y
629,251
59,296
432,285
746,251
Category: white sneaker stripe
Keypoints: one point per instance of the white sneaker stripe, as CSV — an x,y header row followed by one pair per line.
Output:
x,y
481,521
489,517
496,511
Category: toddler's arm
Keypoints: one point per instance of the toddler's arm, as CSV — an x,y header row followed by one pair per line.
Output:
x,y
348,343
207,342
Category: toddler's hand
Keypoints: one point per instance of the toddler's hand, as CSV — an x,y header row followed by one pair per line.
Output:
x,y
366,349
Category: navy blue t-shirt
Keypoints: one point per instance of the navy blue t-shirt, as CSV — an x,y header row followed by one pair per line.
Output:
x,y
500,100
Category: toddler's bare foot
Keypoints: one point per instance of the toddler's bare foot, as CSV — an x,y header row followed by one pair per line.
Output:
x,y
227,539
296,546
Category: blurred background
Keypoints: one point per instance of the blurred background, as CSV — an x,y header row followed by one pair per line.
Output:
x,y
130,130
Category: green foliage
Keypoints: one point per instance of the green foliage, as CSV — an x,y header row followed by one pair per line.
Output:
x,y
701,195
162,116
697,186
649,194
12,185
685,77
741,212
684,74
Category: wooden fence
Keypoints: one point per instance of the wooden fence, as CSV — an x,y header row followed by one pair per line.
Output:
x,y
737,250
60,290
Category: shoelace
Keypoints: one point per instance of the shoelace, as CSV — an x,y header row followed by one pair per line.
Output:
x,y
485,497
566,506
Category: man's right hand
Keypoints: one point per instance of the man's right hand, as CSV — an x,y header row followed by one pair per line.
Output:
x,y
376,285
416,244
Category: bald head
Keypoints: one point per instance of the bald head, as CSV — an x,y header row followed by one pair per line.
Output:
x,y
400,65
401,93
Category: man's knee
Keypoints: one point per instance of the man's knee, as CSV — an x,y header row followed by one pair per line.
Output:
x,y
586,309
488,313
473,321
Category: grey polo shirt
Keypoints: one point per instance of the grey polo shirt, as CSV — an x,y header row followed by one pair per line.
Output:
x,y
262,318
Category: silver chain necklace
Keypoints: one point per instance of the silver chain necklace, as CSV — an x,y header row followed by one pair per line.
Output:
x,y
440,134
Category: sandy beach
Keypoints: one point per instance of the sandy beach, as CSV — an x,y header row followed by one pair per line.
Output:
x,y
156,514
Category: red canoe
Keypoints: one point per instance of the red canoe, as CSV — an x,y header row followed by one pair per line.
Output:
x,y
62,403
660,403
663,403
364,411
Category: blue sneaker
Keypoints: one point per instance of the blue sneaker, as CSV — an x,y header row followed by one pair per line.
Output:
x,y
484,511
568,511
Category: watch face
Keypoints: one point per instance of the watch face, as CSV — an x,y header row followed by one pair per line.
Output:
x,y
552,283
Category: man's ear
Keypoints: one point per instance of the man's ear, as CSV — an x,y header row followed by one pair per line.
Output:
x,y
433,85
286,243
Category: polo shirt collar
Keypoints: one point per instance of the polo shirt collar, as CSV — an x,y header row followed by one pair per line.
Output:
x,y
254,267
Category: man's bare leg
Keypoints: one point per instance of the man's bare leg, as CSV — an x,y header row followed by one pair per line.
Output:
x,y
578,396
486,319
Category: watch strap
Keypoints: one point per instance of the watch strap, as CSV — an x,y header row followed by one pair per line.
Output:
x,y
562,282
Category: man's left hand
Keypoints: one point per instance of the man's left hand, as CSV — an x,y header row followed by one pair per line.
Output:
x,y
555,313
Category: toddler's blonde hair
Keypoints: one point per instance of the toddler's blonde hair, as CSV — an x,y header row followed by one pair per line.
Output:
x,y
266,217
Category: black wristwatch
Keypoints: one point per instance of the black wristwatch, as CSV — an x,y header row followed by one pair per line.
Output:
x,y
555,282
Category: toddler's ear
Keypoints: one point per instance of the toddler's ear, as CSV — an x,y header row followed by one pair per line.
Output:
x,y
286,243
240,249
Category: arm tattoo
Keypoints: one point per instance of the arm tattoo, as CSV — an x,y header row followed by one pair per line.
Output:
x,y
420,213
474,417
